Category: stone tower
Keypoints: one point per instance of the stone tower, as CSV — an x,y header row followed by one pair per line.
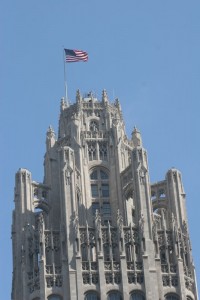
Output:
x,y
96,228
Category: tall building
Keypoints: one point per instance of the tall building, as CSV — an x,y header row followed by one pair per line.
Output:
x,y
96,228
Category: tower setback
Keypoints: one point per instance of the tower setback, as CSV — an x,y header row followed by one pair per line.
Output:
x,y
96,228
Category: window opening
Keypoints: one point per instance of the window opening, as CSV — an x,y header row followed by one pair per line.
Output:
x,y
100,194
137,296
94,190
103,151
54,297
94,126
84,252
94,175
171,297
162,193
114,296
106,210
105,190
91,296
92,153
95,207
103,175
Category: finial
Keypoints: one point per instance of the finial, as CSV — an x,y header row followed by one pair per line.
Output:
x,y
78,96
50,137
98,221
117,104
104,96
136,138
63,104
50,131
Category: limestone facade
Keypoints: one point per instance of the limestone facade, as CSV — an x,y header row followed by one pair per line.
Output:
x,y
96,228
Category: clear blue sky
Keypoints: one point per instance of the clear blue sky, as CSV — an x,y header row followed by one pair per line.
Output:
x,y
147,53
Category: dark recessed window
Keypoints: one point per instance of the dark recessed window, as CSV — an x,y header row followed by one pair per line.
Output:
x,y
94,190
105,190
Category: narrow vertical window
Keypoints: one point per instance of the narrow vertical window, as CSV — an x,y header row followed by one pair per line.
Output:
x,y
92,152
106,210
99,180
94,190
103,151
105,190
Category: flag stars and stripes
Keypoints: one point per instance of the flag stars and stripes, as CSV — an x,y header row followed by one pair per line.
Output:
x,y
75,55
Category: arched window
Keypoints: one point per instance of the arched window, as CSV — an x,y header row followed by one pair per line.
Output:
x,y
54,297
114,296
137,296
99,184
91,296
100,193
171,297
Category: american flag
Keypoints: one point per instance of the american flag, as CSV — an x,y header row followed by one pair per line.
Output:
x,y
75,55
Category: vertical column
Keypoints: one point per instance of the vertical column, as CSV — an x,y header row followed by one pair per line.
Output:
x,y
144,211
100,259
157,260
22,217
79,277
177,206
42,279
123,263
102,281
181,279
42,262
67,192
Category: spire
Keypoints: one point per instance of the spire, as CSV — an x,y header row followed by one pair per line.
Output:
x,y
136,138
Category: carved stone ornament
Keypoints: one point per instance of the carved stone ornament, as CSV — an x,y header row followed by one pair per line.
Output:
x,y
78,96
119,221
98,222
104,96
185,228
76,224
68,172
56,241
141,223
40,223
154,230
142,173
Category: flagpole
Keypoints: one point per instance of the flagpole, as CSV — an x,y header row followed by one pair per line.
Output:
x,y
65,80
